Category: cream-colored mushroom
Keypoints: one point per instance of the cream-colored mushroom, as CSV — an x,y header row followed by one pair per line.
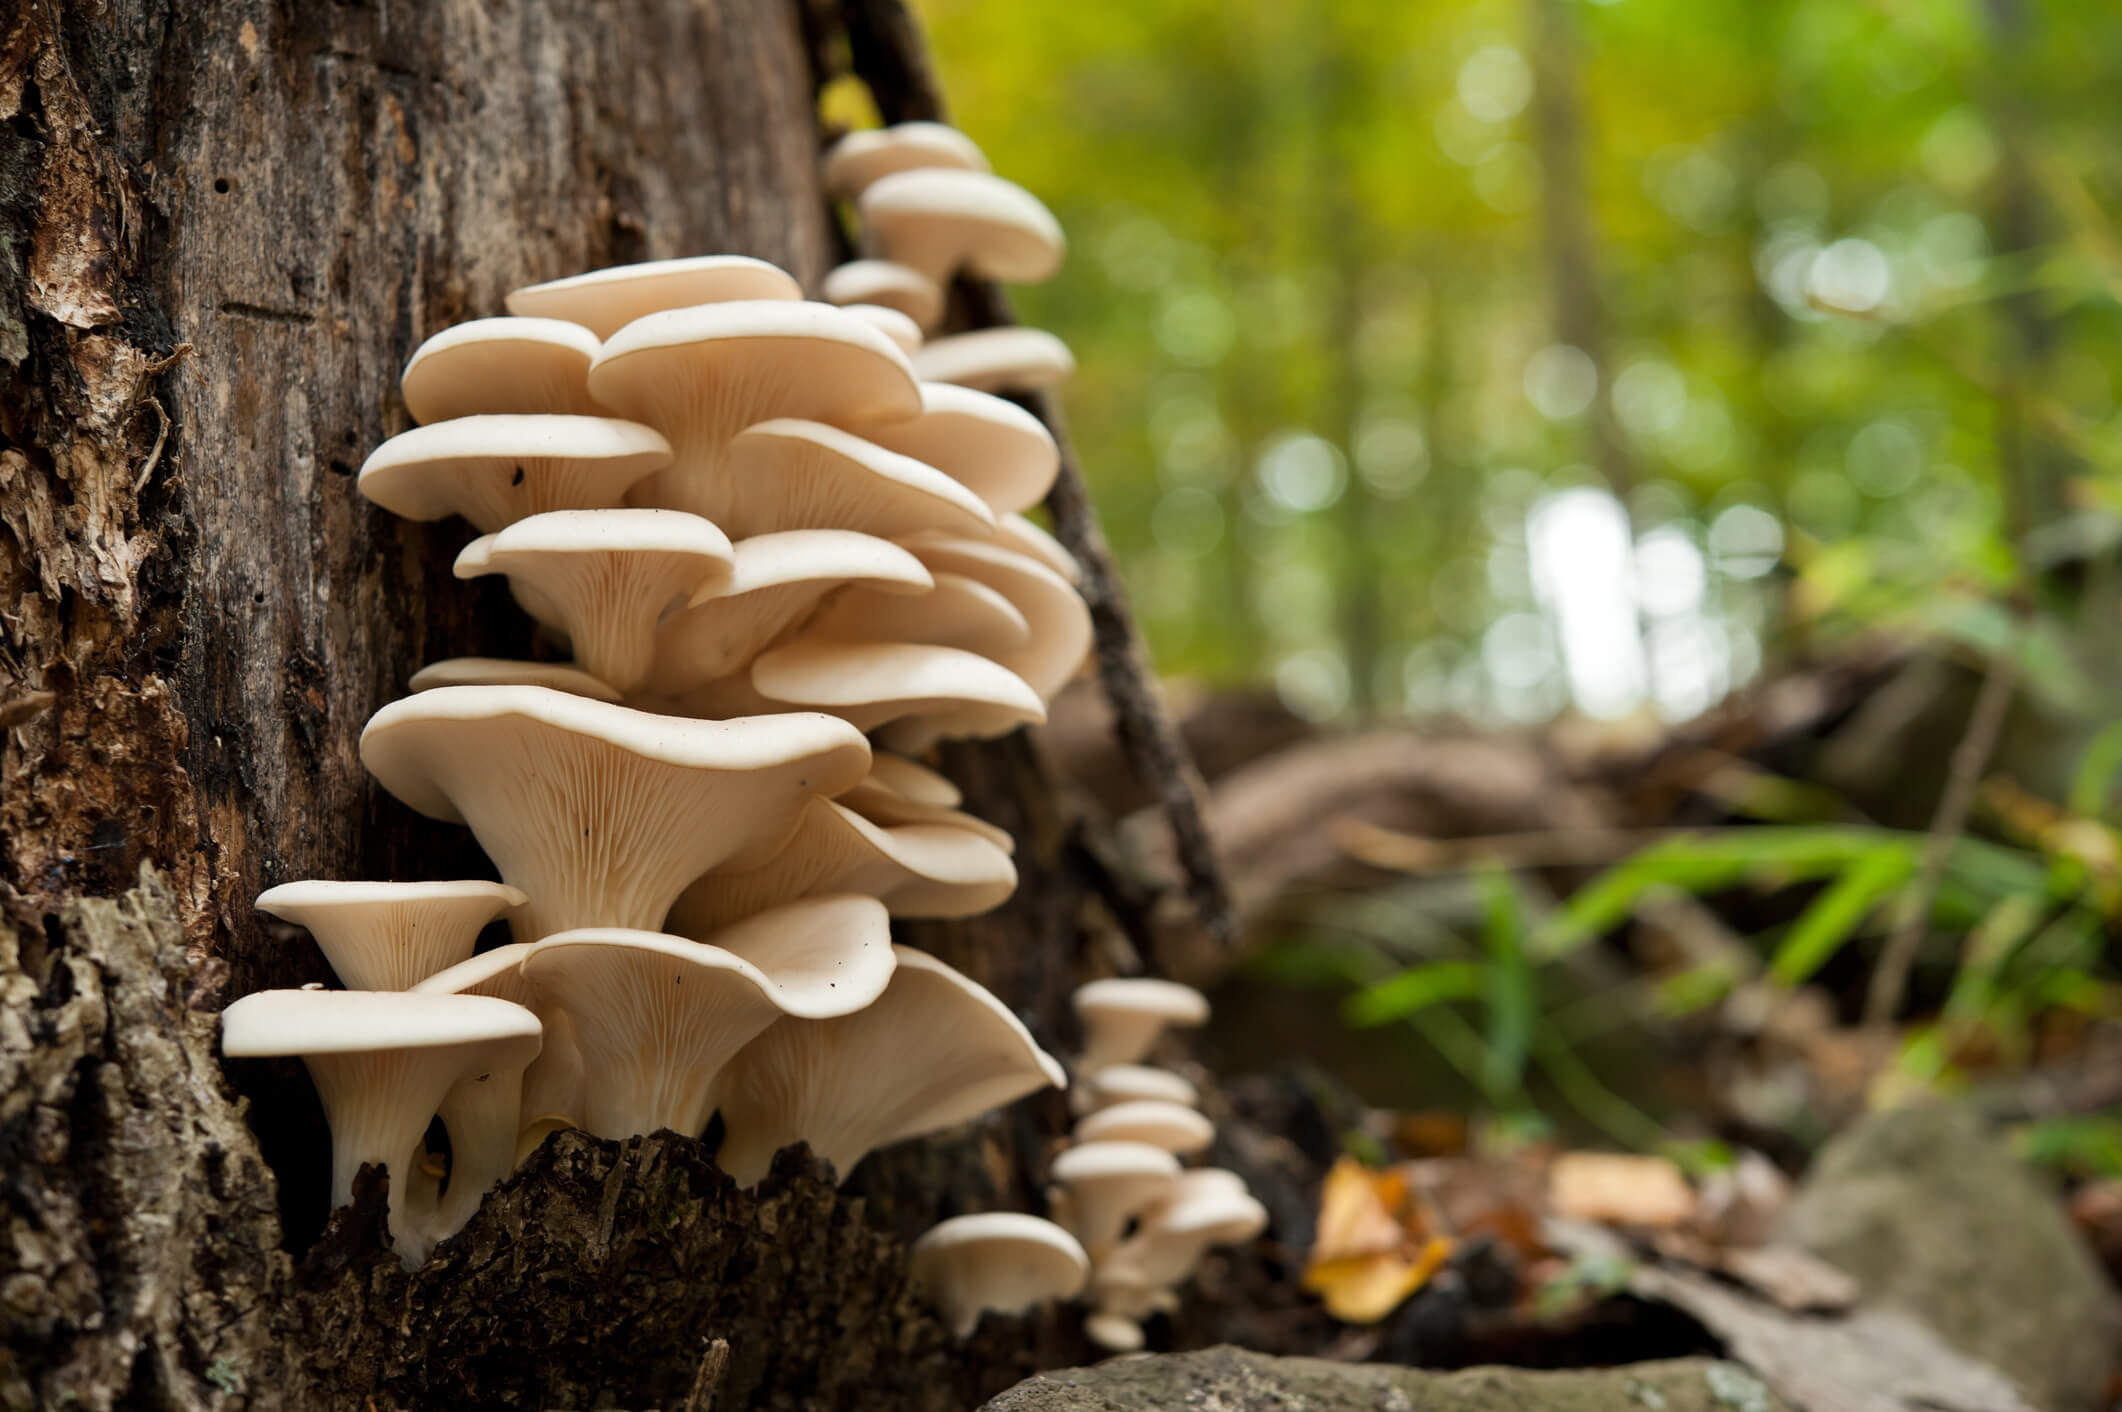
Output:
x,y
600,813
912,780
1003,1261
958,612
390,935
892,285
863,156
550,1093
502,671
496,470
940,221
1123,1017
1177,1234
605,301
934,1050
604,578
990,445
1109,1184
888,807
1174,1127
1016,532
1132,1083
1058,620
997,360
501,366
891,323
872,683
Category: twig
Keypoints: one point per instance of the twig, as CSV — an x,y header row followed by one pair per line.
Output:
x,y
707,1379
891,57
1970,757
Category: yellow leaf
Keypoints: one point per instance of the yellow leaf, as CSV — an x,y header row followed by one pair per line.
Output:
x,y
1363,1289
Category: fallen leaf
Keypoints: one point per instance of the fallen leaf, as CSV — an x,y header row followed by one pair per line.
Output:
x,y
1363,1289
1376,1243
1360,1212
1620,1190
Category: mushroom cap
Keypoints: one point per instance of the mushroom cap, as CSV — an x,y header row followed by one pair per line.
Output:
x,y
958,612
775,582
912,780
1016,532
890,322
1172,1126
871,683
995,360
658,1016
501,671
497,973
278,1023
1167,1001
389,935
882,806
861,157
1132,1083
600,811
791,474
1058,619
501,366
1178,1233
1108,1182
702,374
1115,1333
917,870
605,301
988,444
605,577
940,220
552,1085
1000,1260
934,1050
889,284
496,469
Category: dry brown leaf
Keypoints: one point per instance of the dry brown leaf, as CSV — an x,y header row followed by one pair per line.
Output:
x,y
1620,1190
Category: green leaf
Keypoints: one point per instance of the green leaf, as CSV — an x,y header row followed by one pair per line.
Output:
x,y
1508,984
1836,913
2093,781
1416,988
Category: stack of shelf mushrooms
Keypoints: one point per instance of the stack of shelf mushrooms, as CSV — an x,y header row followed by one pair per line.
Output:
x,y
781,544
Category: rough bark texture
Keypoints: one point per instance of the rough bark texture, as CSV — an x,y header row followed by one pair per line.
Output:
x,y
223,228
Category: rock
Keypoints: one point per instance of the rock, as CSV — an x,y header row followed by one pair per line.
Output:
x,y
1234,1380
1930,1213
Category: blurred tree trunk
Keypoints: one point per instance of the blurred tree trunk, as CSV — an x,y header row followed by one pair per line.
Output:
x,y
224,224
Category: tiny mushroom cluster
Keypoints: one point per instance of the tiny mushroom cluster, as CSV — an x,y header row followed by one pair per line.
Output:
x,y
1143,1220
779,556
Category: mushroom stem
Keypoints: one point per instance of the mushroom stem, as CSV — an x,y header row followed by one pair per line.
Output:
x,y
482,1113
378,1105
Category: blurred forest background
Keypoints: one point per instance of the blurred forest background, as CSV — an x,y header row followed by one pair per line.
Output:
x,y
1561,370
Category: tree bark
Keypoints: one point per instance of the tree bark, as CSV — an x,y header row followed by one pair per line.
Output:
x,y
224,225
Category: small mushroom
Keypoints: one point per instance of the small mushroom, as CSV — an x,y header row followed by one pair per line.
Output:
x,y
501,366
1174,1127
701,375
600,811
1058,619
940,221
605,577
912,780
1108,1184
891,323
1003,1261
934,1050
501,671
382,1063
390,935
1016,532
996,360
605,301
552,1085
958,612
884,806
1115,1333
990,445
886,283
496,470
1122,1017
871,683
860,158
658,1016
1132,1083
776,580
1174,1237
790,474
916,870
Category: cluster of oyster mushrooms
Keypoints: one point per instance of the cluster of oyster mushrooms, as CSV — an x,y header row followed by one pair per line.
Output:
x,y
778,556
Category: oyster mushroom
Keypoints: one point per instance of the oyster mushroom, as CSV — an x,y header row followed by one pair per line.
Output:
x,y
501,366
390,935
998,1260
495,470
607,300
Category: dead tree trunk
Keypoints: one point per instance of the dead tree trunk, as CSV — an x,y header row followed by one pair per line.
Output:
x,y
224,224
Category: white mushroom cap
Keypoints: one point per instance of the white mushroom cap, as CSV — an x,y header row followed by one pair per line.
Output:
x,y
912,780
1115,1333
941,220
933,1051
495,470
887,807
1000,1260
1122,1017
501,671
605,301
988,444
605,577
893,324
916,870
658,1017
1174,1127
886,283
1131,1083
958,612
1059,620
700,375
790,474
996,360
600,811
553,1084
390,935
1110,1182
501,366
1016,532
383,1063
871,683
1175,1237
859,158
775,582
